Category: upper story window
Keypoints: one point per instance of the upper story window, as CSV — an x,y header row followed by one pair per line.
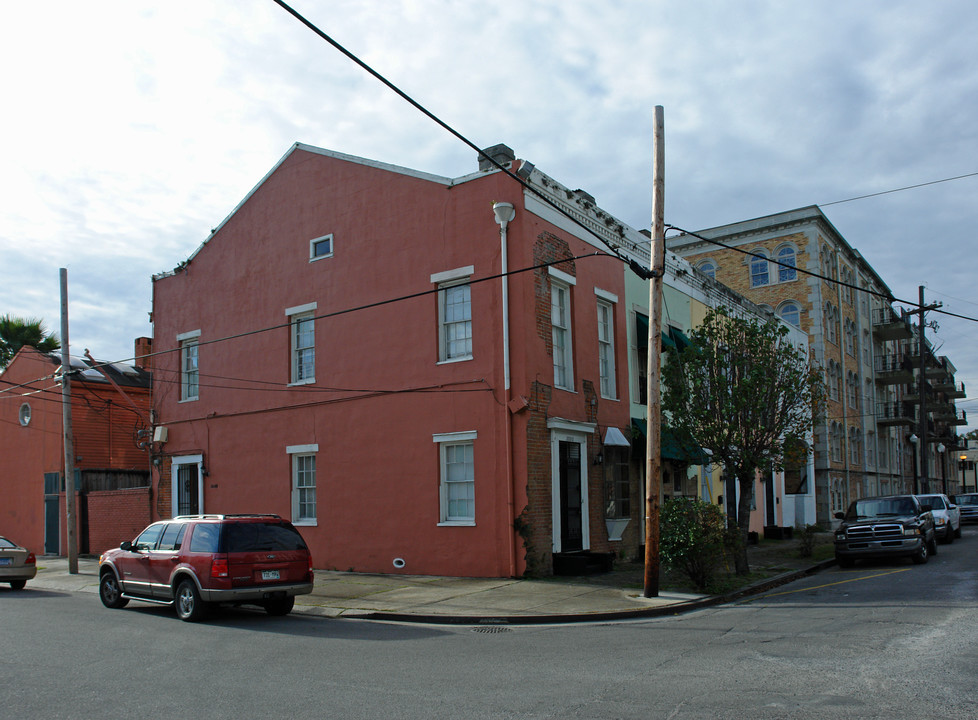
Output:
x,y
560,321
831,323
709,268
454,314
786,269
790,313
302,331
189,372
606,344
24,414
760,273
321,247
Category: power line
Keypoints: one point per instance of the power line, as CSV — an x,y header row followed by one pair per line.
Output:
x,y
896,190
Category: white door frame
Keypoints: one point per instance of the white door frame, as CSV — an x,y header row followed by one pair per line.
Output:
x,y
179,460
574,432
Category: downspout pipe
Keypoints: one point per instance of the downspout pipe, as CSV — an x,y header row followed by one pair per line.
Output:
x,y
504,213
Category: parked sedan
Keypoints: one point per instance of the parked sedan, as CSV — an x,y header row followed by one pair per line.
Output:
x,y
947,516
968,505
17,564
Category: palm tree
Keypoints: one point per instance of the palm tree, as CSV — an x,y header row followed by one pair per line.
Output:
x,y
15,333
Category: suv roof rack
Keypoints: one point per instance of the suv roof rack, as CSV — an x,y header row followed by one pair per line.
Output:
x,y
213,516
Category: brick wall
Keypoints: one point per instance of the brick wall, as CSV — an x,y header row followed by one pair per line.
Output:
x,y
116,515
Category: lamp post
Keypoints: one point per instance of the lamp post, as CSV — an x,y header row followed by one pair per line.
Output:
x,y
941,449
916,483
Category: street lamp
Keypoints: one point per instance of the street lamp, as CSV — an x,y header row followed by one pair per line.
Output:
x,y
941,449
916,484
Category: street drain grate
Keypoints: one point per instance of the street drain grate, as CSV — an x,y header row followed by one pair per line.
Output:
x,y
492,629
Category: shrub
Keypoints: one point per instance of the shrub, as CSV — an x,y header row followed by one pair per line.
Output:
x,y
808,537
693,539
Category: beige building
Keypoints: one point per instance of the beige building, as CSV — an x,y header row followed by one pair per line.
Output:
x,y
799,266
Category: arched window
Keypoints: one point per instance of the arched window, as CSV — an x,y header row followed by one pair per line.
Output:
x,y
708,268
786,256
760,273
790,313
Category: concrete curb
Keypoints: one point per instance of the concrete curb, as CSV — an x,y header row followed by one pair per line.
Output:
x,y
583,617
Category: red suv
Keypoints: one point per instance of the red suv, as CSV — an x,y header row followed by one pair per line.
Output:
x,y
192,561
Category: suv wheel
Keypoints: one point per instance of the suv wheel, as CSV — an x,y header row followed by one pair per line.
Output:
x,y
920,557
188,604
280,607
109,592
845,562
949,534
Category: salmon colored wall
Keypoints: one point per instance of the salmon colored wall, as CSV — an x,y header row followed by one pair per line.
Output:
x,y
104,438
380,393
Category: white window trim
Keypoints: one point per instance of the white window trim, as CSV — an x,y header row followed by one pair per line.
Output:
x,y
450,438
442,345
568,351
450,275
185,340
604,302
291,313
312,247
293,451
605,295
562,276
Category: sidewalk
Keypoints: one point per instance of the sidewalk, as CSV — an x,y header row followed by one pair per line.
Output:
x,y
467,601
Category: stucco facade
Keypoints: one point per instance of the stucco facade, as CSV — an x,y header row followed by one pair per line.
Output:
x,y
336,352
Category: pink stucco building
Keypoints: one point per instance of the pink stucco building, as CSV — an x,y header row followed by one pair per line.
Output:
x,y
337,352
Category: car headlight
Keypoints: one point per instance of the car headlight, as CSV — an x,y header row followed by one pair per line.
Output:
x,y
912,530
940,521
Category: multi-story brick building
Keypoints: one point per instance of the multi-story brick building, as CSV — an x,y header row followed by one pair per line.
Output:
x,y
799,266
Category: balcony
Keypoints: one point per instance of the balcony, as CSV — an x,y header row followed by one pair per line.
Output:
x,y
887,325
894,413
893,370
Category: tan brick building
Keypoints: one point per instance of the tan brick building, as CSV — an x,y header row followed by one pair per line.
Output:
x,y
798,265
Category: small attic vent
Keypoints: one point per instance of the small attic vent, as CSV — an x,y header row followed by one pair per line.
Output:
x,y
502,154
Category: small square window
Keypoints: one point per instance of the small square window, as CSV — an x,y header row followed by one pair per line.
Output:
x,y
321,247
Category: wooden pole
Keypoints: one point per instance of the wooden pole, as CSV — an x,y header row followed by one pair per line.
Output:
x,y
653,474
69,440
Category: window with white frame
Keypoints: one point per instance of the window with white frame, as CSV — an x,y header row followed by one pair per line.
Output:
x,y
456,456
606,344
303,343
320,247
560,320
786,269
189,371
456,322
709,268
831,380
303,483
760,273
454,314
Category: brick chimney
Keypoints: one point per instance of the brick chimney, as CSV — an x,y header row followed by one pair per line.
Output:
x,y
143,349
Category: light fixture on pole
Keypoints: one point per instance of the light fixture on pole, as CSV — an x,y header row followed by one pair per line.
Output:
x,y
941,449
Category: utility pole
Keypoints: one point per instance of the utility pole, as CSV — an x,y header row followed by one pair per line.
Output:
x,y
922,387
653,473
69,441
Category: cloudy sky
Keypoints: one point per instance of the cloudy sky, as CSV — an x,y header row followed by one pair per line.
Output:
x,y
131,128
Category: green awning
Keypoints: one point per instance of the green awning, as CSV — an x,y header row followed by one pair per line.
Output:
x,y
670,448
642,328
682,342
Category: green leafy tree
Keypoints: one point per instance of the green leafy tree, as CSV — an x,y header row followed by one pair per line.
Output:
x,y
742,390
15,333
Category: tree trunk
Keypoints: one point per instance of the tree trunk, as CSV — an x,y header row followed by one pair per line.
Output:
x,y
745,481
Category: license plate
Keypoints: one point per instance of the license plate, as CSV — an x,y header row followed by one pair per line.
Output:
x,y
269,574
6,561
